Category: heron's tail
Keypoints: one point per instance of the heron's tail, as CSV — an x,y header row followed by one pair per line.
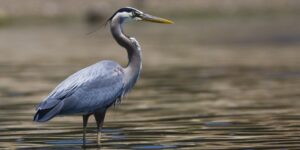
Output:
x,y
45,114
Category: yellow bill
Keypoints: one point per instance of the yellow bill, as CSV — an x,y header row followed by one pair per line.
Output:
x,y
150,18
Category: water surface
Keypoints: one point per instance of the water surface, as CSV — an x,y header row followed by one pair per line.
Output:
x,y
170,108
208,90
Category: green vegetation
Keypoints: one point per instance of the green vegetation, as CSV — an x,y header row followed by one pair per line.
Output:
x,y
39,20
4,20
183,14
241,13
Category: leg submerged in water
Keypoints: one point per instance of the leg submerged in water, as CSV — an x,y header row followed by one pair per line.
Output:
x,y
99,117
85,121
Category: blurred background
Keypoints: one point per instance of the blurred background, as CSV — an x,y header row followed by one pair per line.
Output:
x,y
225,75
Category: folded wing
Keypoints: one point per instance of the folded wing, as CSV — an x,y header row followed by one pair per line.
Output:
x,y
95,87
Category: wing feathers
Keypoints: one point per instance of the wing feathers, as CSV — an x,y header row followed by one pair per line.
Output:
x,y
84,91
46,114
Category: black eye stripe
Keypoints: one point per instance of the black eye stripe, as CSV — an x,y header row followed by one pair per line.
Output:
x,y
134,12
125,10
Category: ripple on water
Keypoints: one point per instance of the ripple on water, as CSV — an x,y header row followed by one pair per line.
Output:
x,y
195,108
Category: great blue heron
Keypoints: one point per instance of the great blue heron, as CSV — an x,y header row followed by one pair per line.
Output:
x,y
94,89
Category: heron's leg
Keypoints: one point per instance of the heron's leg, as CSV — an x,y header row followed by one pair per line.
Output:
x,y
85,121
99,116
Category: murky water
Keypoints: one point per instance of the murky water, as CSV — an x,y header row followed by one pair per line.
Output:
x,y
172,108
221,97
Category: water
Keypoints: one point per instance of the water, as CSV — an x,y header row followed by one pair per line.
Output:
x,y
195,91
170,108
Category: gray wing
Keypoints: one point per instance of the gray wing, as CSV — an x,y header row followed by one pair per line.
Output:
x,y
95,87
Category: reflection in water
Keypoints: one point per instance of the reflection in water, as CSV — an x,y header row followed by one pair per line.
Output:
x,y
220,108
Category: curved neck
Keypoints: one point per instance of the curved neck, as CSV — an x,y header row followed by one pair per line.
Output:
x,y
130,44
133,49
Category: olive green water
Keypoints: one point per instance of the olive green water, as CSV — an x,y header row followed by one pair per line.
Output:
x,y
193,94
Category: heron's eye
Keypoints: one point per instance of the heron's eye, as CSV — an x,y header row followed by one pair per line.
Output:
x,y
136,14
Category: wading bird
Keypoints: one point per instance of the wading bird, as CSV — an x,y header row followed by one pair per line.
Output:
x,y
92,90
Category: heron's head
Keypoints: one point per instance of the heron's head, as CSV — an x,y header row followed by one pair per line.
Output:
x,y
131,14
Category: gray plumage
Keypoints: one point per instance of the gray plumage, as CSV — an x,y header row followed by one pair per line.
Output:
x,y
94,89
88,90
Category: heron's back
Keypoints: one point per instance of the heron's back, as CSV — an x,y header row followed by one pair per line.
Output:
x,y
86,91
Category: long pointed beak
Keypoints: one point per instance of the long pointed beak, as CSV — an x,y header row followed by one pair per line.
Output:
x,y
150,18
